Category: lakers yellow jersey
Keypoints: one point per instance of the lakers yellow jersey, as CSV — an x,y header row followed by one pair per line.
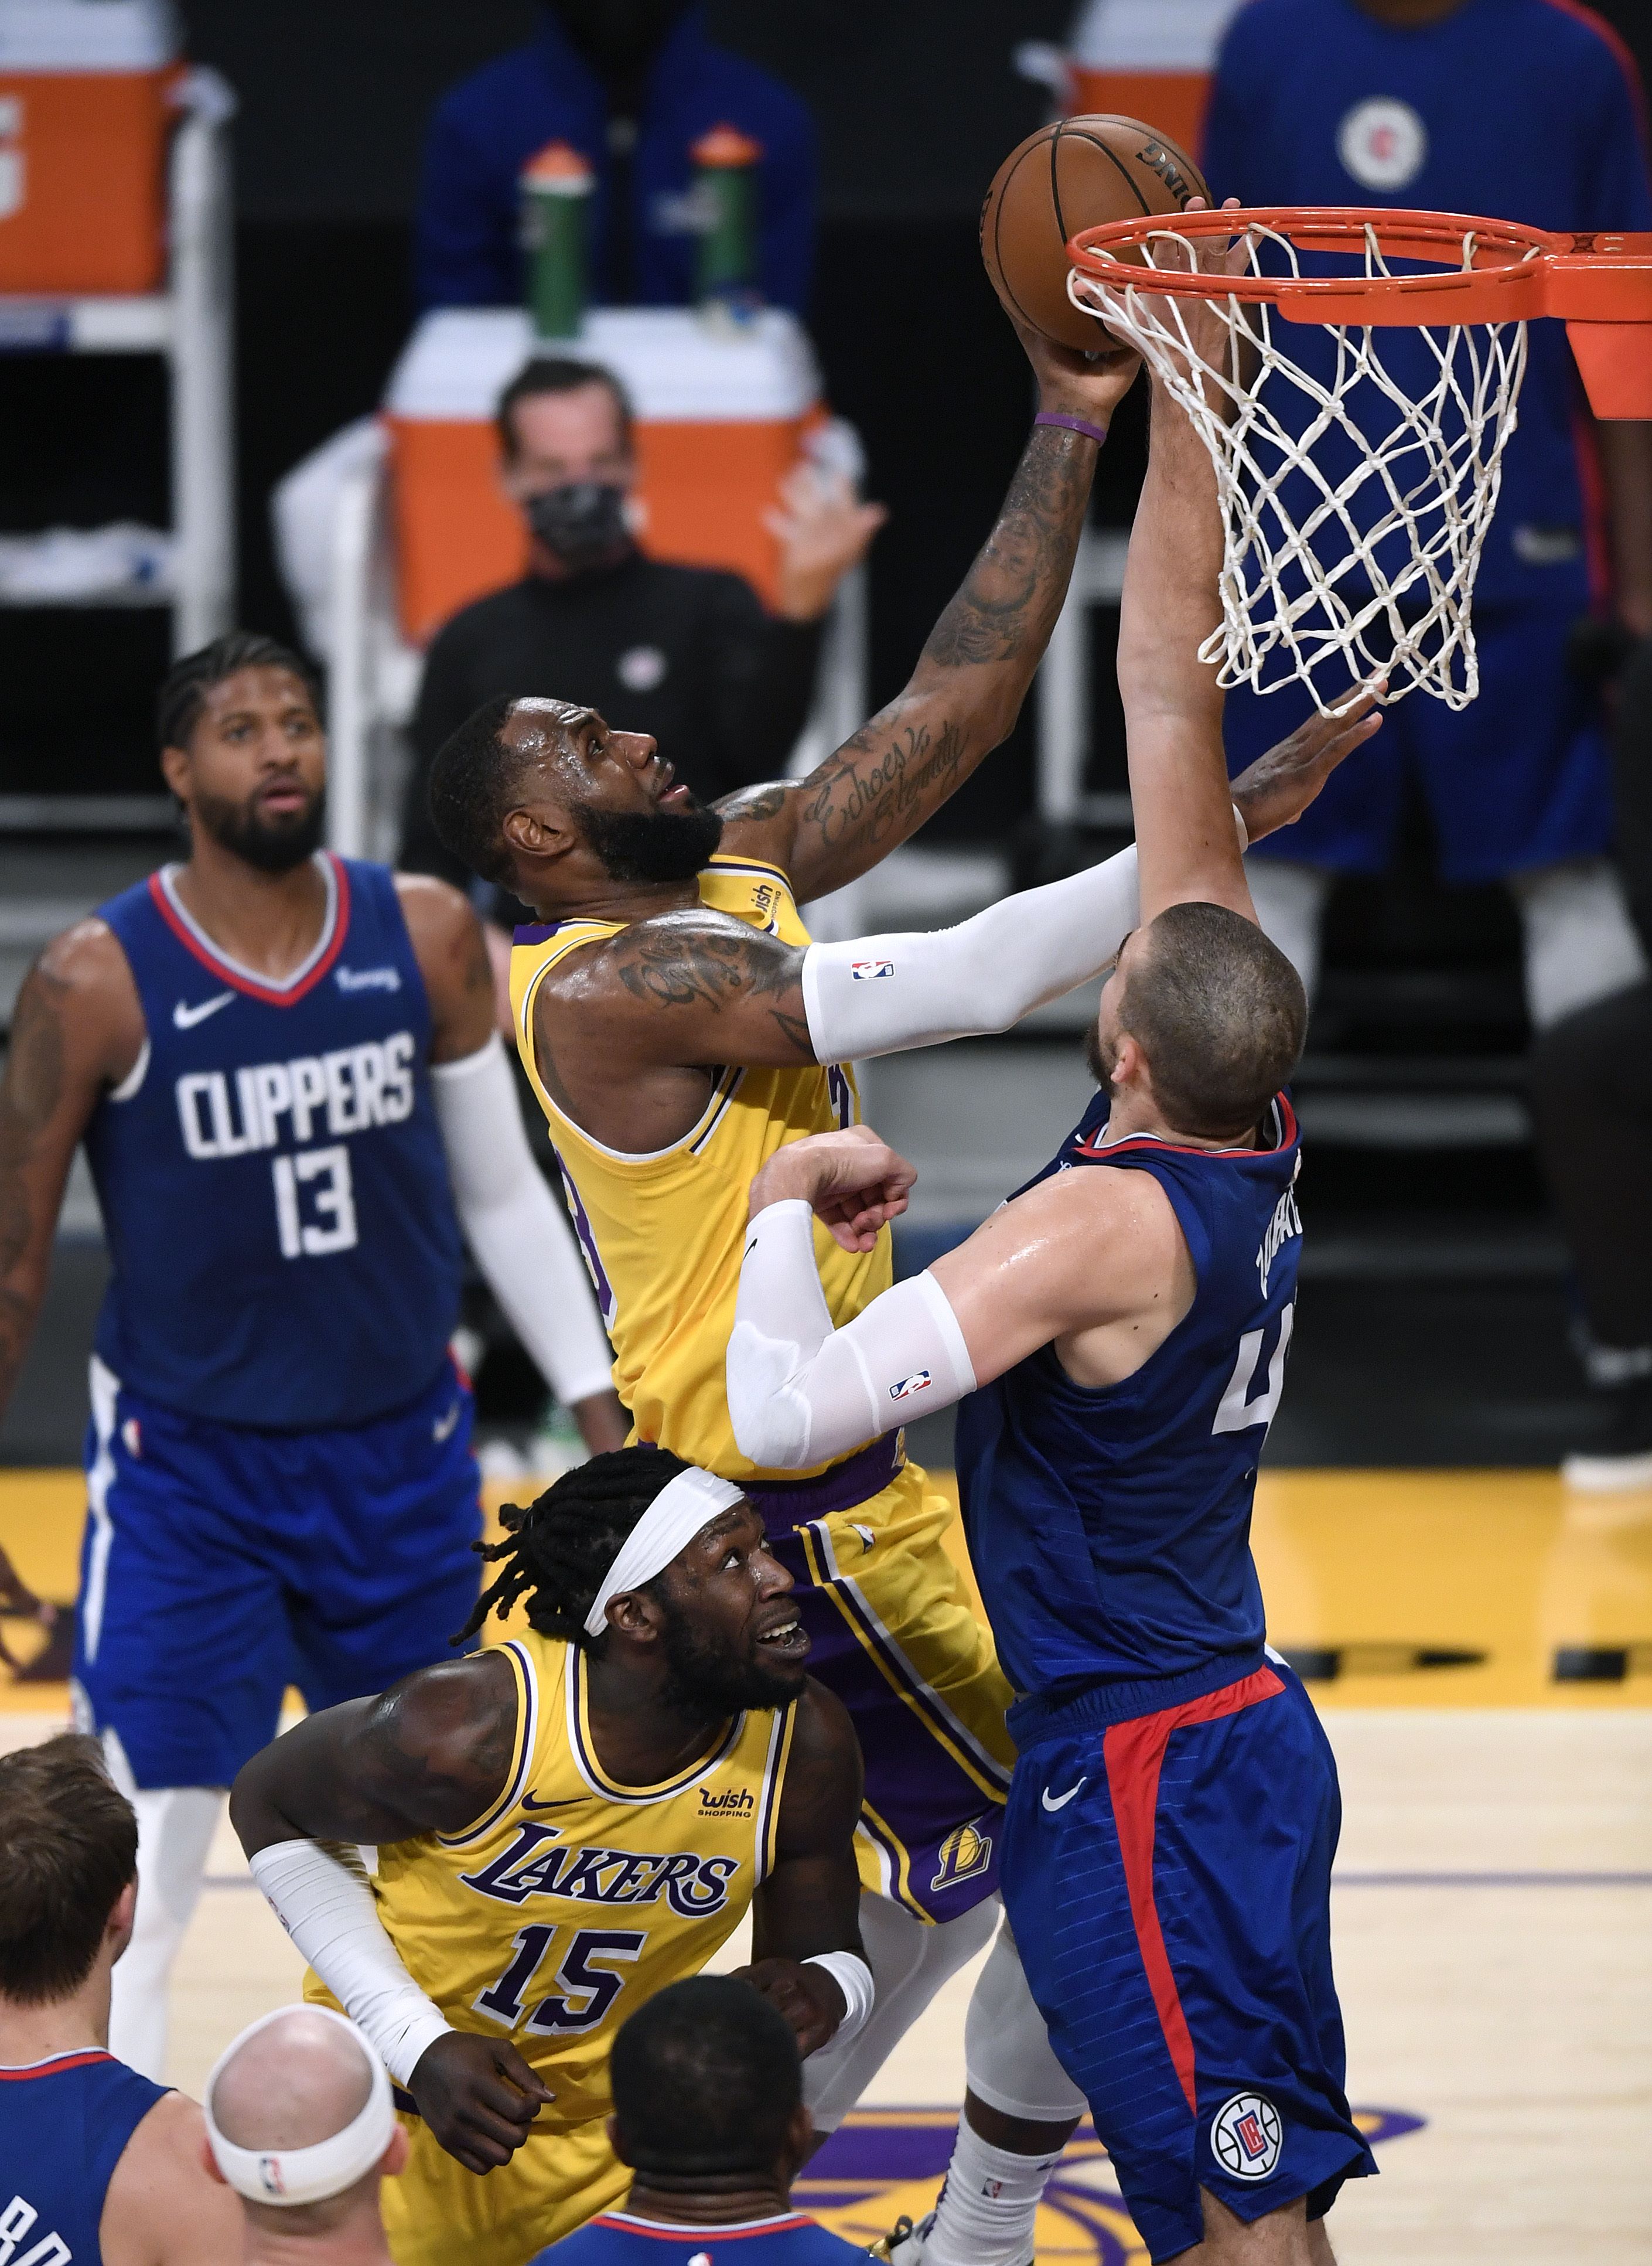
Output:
x,y
574,1898
663,1232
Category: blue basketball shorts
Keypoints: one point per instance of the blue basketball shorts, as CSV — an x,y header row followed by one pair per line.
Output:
x,y
1520,777
220,1564
1167,1879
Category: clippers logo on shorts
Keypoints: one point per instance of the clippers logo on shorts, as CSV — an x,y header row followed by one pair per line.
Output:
x,y
867,971
919,1381
1383,143
692,1885
1245,2136
350,1091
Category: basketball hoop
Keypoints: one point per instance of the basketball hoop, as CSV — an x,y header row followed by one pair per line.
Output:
x,y
1358,418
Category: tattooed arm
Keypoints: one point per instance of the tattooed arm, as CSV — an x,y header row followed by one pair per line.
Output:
x,y
972,676
77,1029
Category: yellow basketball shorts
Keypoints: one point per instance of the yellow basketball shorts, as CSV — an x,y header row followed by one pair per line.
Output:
x,y
438,2214
897,1637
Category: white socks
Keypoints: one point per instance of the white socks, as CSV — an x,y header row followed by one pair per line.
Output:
x,y
988,2205
175,1829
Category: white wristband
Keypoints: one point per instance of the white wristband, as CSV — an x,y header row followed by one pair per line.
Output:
x,y
854,1977
320,1893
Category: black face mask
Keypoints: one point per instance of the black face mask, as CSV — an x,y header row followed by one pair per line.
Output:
x,y
582,523
619,39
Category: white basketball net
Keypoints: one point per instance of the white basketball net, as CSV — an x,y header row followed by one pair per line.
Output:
x,y
1354,507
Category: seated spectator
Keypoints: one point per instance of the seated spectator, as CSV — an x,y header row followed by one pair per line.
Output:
x,y
301,2123
1591,1099
686,653
1516,784
631,84
709,2114
96,2164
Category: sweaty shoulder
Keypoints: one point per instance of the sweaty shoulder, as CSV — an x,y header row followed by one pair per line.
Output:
x,y
161,2203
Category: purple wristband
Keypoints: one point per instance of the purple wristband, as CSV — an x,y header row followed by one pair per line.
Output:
x,y
1096,433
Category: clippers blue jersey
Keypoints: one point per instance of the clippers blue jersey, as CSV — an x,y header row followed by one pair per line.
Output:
x,y
617,2238
1520,110
1111,1528
63,2125
275,1189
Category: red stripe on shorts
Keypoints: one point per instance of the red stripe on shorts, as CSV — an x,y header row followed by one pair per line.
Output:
x,y
1133,1753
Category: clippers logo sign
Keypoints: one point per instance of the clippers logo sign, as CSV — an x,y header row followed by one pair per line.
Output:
x,y
1246,2136
919,1381
885,2164
867,971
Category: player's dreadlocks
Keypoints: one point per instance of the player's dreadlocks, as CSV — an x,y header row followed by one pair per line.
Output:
x,y
557,1550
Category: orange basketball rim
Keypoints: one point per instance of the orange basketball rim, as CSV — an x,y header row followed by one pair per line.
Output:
x,y
1598,284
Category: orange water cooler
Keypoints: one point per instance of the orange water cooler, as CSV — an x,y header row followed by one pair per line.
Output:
x,y
720,417
1148,59
85,111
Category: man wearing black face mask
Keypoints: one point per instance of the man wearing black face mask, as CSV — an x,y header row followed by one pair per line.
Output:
x,y
684,654
631,84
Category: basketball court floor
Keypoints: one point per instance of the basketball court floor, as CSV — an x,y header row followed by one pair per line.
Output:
x,y
1481,1645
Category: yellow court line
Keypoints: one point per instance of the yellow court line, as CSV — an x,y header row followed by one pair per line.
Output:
x,y
1371,1567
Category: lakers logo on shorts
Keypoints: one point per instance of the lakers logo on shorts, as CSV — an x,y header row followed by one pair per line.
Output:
x,y
965,1852
1246,2136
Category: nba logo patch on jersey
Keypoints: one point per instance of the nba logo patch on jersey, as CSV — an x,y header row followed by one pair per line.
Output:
x,y
919,1381
965,1851
1245,2136
865,971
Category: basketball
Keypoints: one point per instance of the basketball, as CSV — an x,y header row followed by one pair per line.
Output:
x,y
1070,176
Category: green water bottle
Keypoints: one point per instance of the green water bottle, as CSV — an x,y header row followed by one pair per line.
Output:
x,y
726,188
556,191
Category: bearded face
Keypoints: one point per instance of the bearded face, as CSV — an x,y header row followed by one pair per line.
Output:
x,y
651,845
271,841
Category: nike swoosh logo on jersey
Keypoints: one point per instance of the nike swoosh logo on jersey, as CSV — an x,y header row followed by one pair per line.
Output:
x,y
1062,1800
533,1801
185,1017
443,1427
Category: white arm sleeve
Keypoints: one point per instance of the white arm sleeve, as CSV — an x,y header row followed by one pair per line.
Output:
x,y
516,1228
879,995
800,1391
321,1894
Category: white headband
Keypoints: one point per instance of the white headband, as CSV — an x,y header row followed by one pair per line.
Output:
x,y
678,1512
280,2176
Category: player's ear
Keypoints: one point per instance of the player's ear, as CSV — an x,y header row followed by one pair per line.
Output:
x,y
209,2162
538,834
635,1616
175,768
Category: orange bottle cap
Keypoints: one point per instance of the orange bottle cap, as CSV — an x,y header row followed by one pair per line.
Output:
x,y
726,145
558,164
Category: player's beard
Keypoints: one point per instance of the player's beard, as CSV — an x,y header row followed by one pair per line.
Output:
x,y
271,847
714,1679
1100,1058
651,845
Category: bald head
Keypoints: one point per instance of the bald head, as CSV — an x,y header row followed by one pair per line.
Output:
x,y
299,2079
